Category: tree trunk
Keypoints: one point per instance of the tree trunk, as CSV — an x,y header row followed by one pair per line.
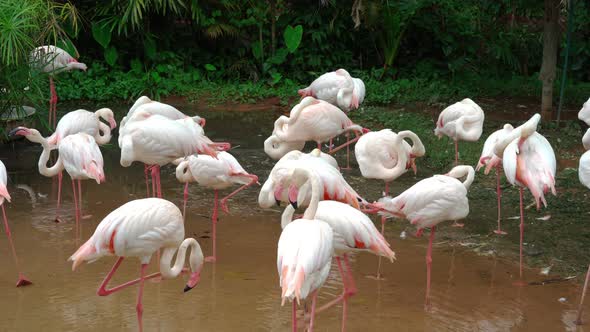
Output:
x,y
550,46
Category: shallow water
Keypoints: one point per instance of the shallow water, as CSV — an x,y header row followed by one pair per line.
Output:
x,y
240,292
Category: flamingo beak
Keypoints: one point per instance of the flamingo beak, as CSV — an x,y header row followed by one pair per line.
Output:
x,y
112,123
19,131
192,281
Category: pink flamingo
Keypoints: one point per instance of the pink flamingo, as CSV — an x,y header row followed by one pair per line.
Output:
x,y
156,140
529,161
461,121
584,175
82,121
304,257
276,149
385,155
277,188
139,229
353,231
584,113
52,60
215,173
490,160
337,88
79,155
430,202
4,195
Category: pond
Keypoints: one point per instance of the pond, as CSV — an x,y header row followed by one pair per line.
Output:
x,y
472,287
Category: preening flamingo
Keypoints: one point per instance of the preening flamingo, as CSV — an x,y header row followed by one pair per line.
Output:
x,y
385,155
139,229
79,155
156,140
337,88
278,188
52,60
353,231
490,160
276,149
462,121
82,121
584,174
429,202
529,161
5,196
215,173
304,257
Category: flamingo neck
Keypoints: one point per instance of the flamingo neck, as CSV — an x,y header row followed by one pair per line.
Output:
x,y
195,260
183,172
287,216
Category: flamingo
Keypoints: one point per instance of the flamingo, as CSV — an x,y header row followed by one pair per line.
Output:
x,y
337,88
276,149
490,160
386,155
4,195
215,173
79,155
584,175
304,257
156,140
139,229
315,120
461,121
429,202
82,121
277,188
353,231
584,113
52,60
529,161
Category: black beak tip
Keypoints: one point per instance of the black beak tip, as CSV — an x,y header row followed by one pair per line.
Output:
x,y
294,204
13,132
187,288
278,202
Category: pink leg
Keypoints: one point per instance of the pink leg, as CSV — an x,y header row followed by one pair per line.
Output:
x,y
139,307
213,258
347,152
499,231
51,98
22,280
521,228
456,152
152,171
59,179
385,193
102,289
579,318
185,195
224,200
349,142
345,291
331,145
351,285
159,184
429,263
146,169
294,316
75,201
80,198
319,146
313,302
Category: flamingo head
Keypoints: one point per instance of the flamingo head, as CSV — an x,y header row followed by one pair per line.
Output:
x,y
31,134
193,281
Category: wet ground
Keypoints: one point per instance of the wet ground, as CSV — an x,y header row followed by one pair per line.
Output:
x,y
473,271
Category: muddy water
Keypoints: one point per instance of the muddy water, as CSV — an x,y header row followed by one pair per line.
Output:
x,y
240,292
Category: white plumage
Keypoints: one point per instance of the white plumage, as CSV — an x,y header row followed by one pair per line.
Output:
x,y
215,173
82,121
52,59
488,158
337,88
461,121
81,157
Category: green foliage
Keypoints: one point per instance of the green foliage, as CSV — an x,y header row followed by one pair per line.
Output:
x,y
293,37
101,33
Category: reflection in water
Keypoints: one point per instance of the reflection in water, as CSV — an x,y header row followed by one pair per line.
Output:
x,y
241,291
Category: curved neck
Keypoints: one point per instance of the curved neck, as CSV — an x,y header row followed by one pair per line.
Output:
x,y
316,187
523,131
418,149
461,171
586,140
287,216
195,259
105,137
279,129
44,158
183,172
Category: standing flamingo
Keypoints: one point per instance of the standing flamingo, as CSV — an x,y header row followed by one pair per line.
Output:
x,y
304,257
139,229
353,231
215,173
490,160
156,140
4,195
529,161
337,88
79,155
385,155
461,121
584,113
82,121
52,60
430,202
584,175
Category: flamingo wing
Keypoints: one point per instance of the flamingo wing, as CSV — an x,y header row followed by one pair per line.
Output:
x,y
81,157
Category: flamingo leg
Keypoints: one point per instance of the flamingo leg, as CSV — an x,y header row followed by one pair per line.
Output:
x,y
313,303
331,145
52,104
345,291
159,185
351,285
139,306
146,169
499,231
521,192
347,152
456,152
59,179
151,168
294,316
213,258
80,198
75,201
579,318
224,200
102,289
22,280
319,146
349,142
385,193
429,264
185,195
